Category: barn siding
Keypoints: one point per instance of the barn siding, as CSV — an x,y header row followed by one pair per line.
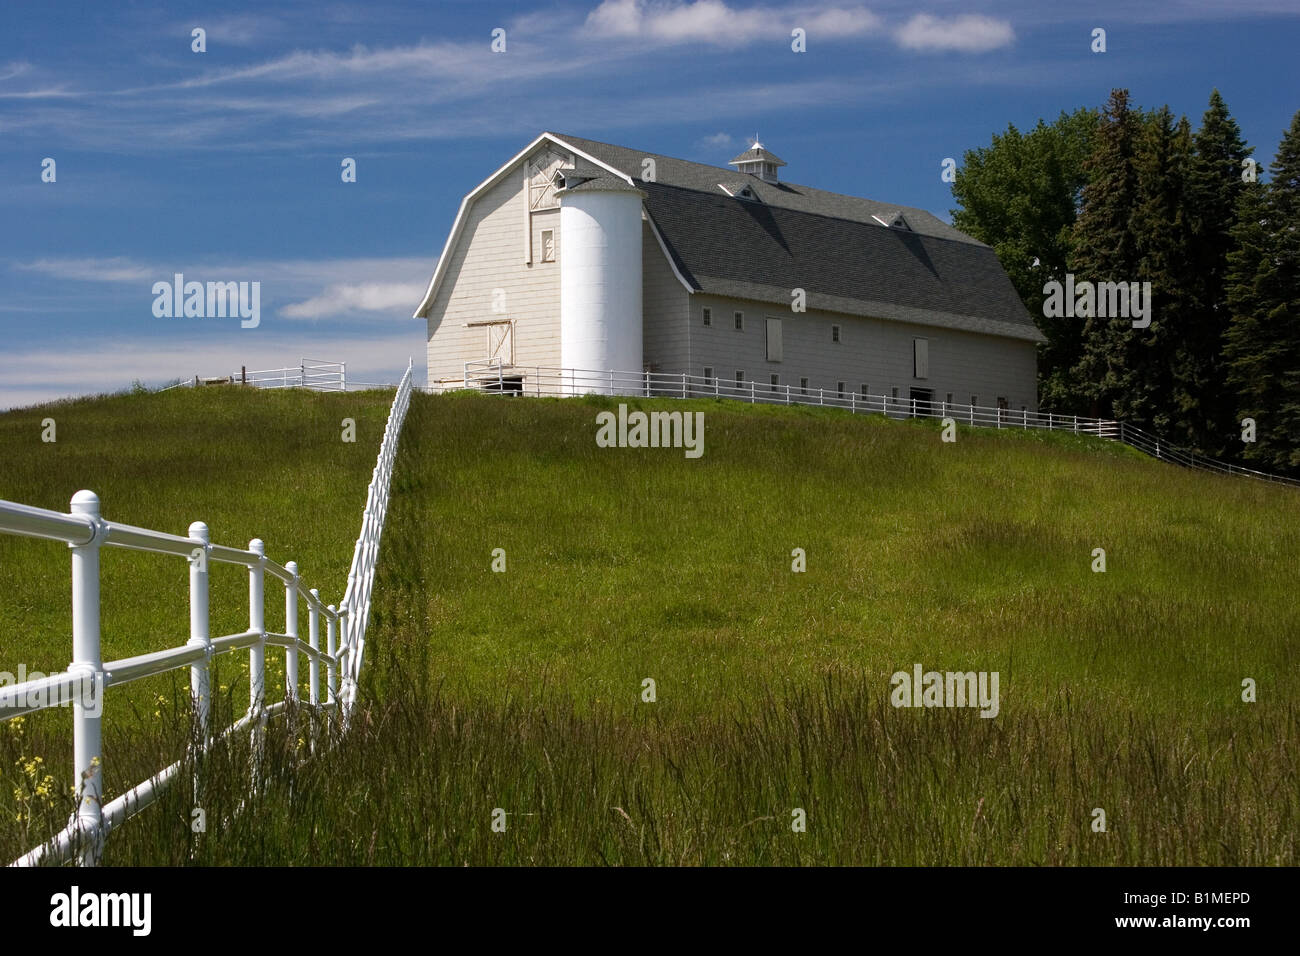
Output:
x,y
875,352
664,309
490,255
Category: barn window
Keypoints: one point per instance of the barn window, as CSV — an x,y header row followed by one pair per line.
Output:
x,y
835,333
776,380
548,245
865,390
740,321
921,358
708,318
803,386
894,391
708,375
774,340
974,399
839,388
740,377
950,398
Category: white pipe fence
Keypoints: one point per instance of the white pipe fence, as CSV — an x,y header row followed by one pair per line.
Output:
x,y
495,378
311,374
85,531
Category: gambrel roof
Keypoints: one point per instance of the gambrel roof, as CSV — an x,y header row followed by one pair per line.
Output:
x,y
839,249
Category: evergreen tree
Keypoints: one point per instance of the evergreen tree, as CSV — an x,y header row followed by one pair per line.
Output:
x,y
1262,344
1203,402
1106,250
1149,363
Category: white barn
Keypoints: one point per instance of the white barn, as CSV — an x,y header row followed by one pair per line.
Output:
x,y
582,255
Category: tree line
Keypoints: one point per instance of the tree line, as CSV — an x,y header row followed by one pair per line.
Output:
x,y
1123,194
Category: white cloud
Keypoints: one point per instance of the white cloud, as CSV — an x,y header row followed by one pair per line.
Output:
x,y
966,34
309,288
343,299
712,21
115,269
839,23
79,367
718,141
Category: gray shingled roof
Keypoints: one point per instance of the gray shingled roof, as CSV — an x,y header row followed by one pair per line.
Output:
x,y
603,183
824,243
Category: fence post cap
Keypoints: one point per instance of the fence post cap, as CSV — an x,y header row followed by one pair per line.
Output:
x,y
292,567
200,530
258,547
85,502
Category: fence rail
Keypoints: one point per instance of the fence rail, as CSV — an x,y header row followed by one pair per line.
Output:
x,y
86,532
495,378
311,374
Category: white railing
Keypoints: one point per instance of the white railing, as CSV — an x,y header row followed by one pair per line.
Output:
x,y
491,377
309,373
89,677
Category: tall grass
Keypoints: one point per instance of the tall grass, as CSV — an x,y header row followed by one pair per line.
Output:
x,y
522,690
249,463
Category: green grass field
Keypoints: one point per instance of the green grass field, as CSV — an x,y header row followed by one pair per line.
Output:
x,y
522,690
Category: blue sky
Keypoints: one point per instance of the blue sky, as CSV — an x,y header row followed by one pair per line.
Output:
x,y
225,165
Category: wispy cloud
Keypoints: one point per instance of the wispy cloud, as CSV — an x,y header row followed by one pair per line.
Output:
x,y
965,34
346,300
298,288
717,141
714,22
40,375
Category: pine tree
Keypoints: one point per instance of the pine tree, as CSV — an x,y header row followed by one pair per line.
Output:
x,y
1203,402
1105,250
1263,341
1149,364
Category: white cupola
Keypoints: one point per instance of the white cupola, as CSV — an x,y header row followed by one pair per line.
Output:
x,y
758,161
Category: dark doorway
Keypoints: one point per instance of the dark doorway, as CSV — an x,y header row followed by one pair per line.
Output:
x,y
922,401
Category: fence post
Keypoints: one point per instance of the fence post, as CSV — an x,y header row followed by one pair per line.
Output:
x,y
821,396
291,629
257,653
87,740
913,408
200,636
313,638
683,384
331,648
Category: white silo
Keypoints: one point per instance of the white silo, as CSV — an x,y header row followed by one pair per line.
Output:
x,y
600,283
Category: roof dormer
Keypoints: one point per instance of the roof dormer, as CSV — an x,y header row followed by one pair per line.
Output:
x,y
758,161
740,191
896,221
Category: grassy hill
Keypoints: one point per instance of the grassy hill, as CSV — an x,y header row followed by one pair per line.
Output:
x,y
522,691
